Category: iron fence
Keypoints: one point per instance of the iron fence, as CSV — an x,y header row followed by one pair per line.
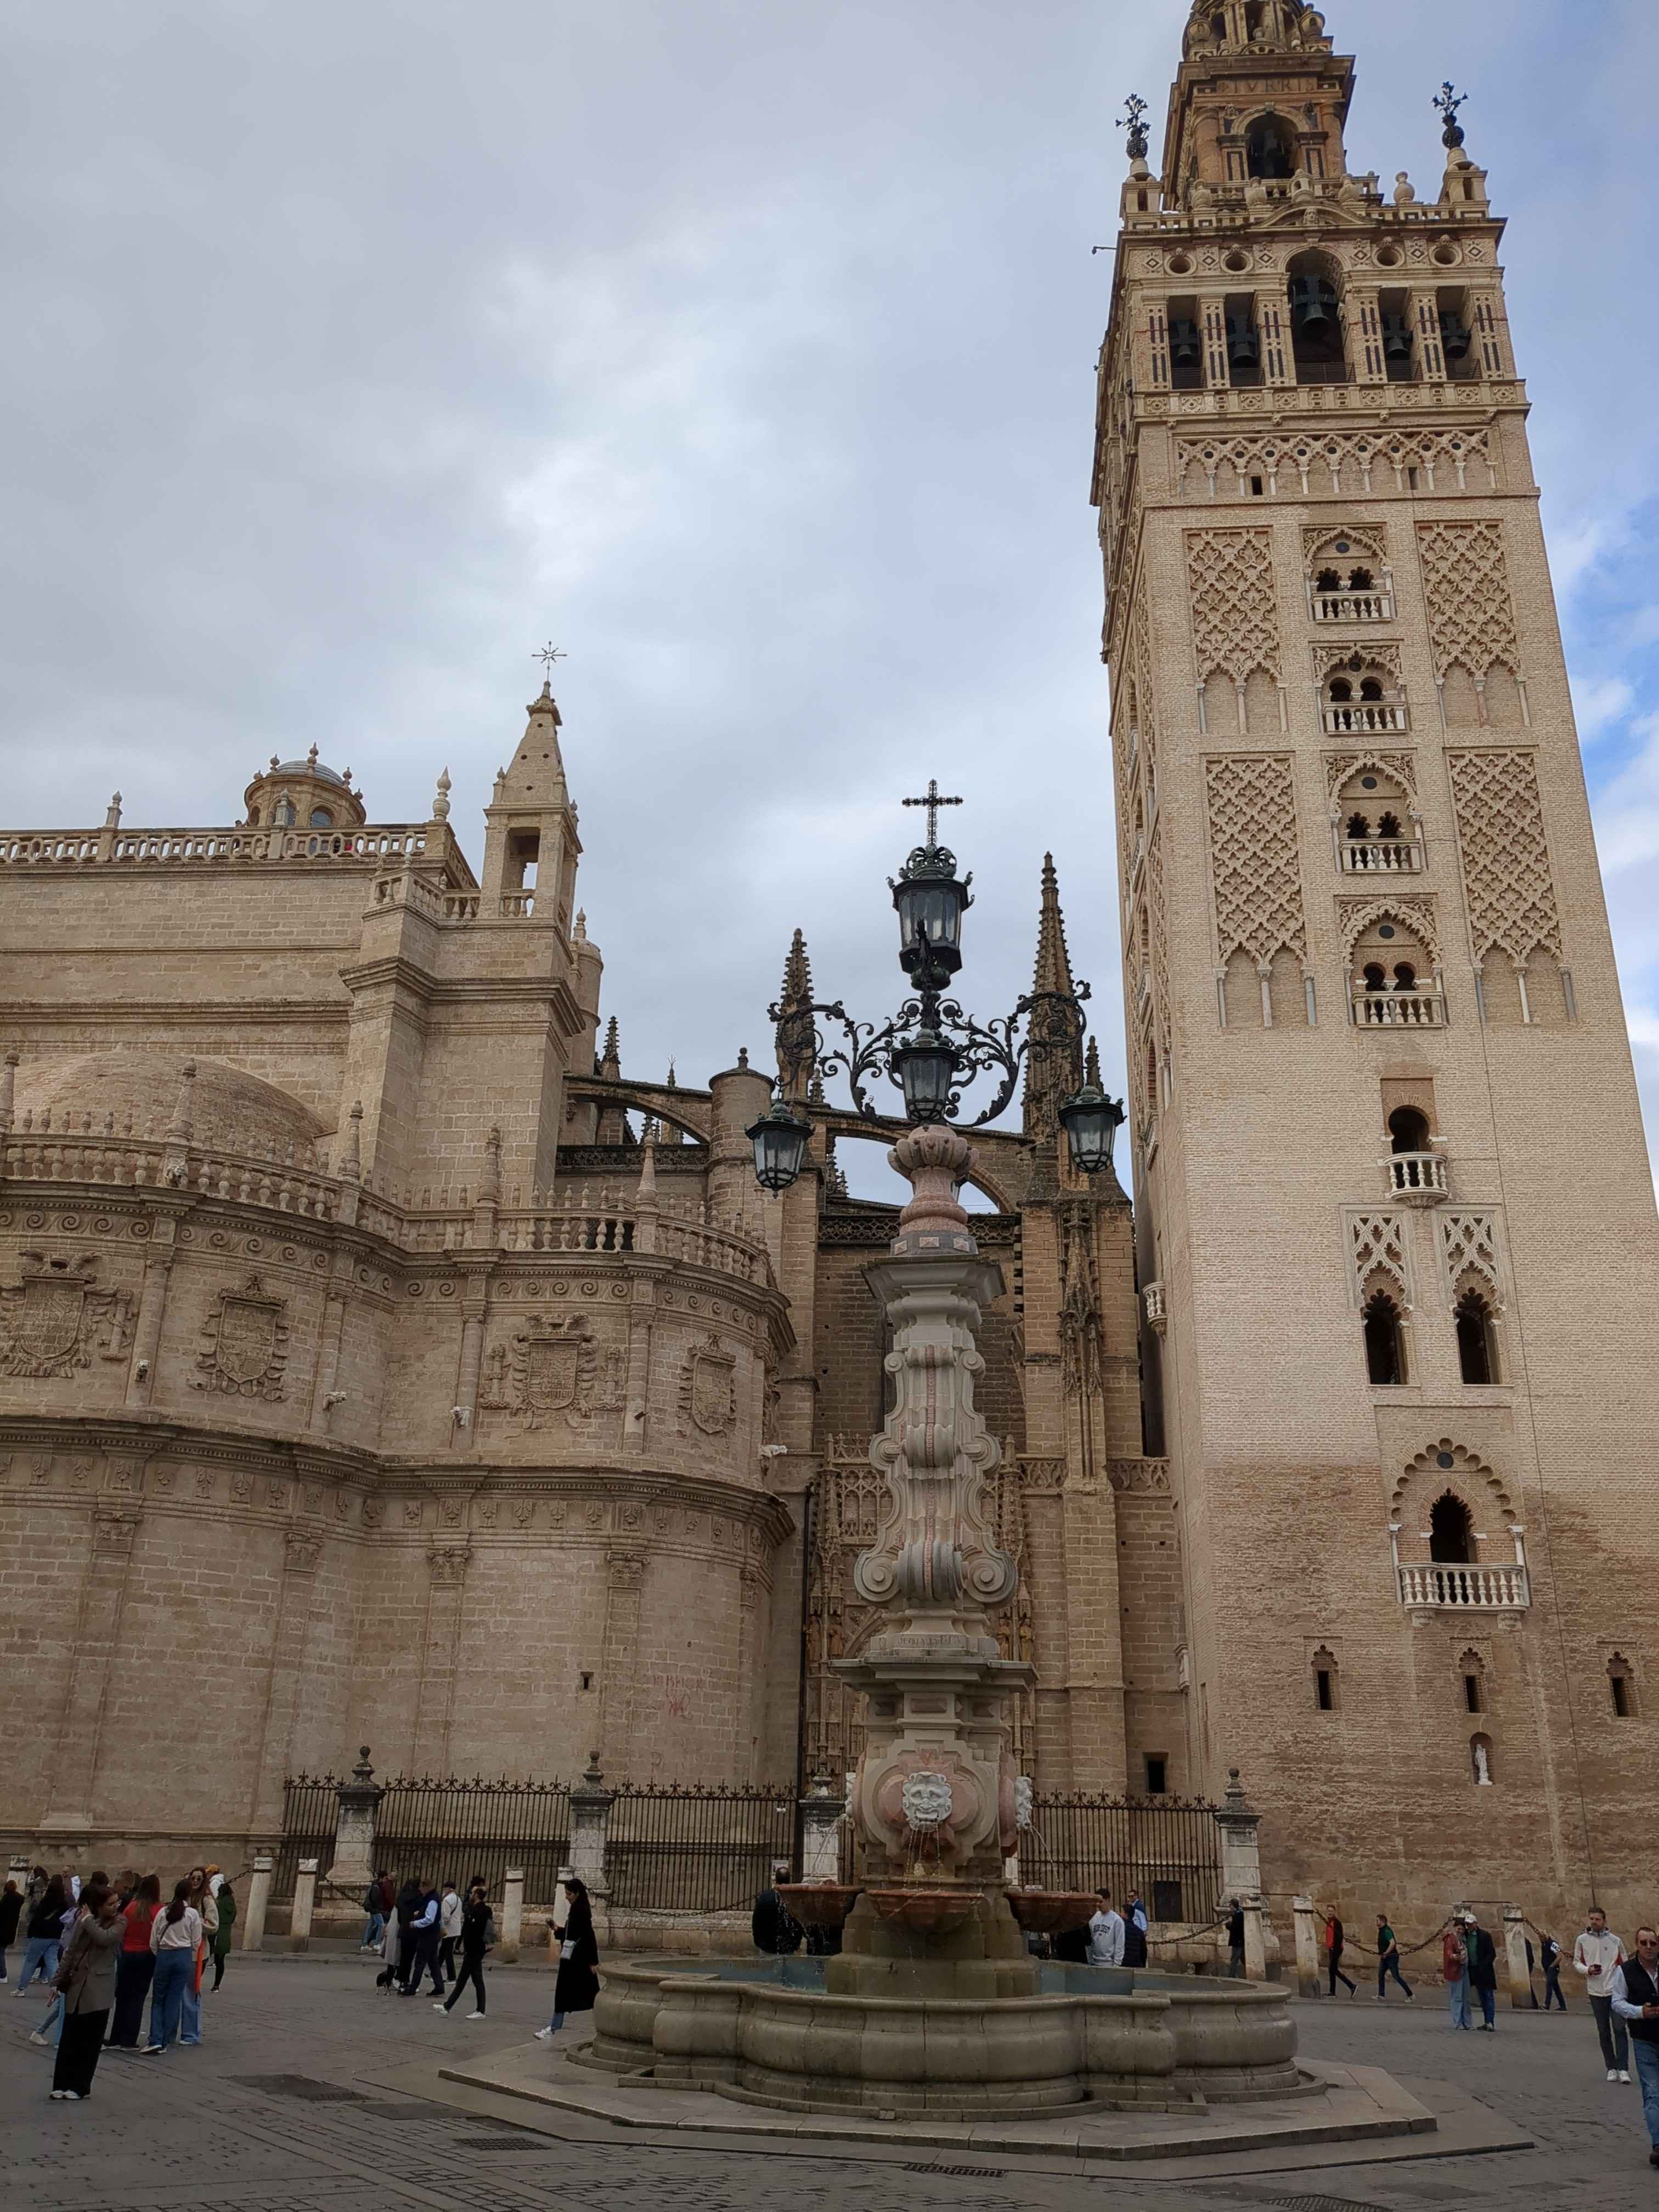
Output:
x,y
459,1828
674,1849
1166,1848
310,1806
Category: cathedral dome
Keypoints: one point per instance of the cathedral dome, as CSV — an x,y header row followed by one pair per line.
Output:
x,y
229,1110
303,794
312,768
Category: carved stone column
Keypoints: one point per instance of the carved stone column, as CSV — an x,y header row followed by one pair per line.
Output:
x,y
590,1815
435,1702
624,1572
302,1551
97,1631
354,1827
152,1309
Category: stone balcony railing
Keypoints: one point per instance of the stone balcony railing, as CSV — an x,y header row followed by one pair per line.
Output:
x,y
1152,1298
1382,856
1369,720
1488,1588
1419,1175
1400,1009
1350,606
370,847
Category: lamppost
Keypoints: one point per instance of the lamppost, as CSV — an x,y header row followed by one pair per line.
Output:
x,y
930,1050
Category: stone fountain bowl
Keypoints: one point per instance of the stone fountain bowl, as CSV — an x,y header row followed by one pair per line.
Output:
x,y
819,1904
1052,1912
926,1912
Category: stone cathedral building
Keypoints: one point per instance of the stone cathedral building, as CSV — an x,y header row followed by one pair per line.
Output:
x,y
380,1363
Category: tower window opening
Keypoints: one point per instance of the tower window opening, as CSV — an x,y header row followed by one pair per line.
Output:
x,y
1370,687
1243,343
1408,1130
1456,339
1476,1339
1359,827
1156,1773
1375,976
1327,580
1411,479
1270,148
1397,338
1316,338
1404,976
1473,1697
1385,1348
1256,487
1341,691
1361,580
1387,825
1186,347
1451,1533
1323,1690
1621,1687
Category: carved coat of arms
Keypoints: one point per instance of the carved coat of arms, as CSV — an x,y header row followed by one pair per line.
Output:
x,y
245,1344
709,1389
545,1370
56,1318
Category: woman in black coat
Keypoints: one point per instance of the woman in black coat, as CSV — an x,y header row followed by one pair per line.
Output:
x,y
579,1954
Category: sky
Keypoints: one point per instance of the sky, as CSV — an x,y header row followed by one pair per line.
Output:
x,y
746,351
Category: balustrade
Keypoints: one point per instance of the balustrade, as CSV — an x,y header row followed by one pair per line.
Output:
x,y
1420,1010
1417,1174
1397,856
1351,606
1463,1585
1364,720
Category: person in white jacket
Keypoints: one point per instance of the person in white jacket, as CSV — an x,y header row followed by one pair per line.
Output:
x,y
1106,1935
450,1911
1597,1956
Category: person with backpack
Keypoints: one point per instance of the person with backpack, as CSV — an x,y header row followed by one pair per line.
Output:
x,y
43,1932
1454,1971
578,1984
478,1937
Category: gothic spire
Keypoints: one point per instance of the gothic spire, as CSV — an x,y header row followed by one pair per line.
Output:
x,y
797,974
1054,1066
795,1037
611,1061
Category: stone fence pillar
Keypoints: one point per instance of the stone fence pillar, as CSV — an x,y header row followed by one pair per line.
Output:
x,y
1308,1983
354,1867
305,1898
590,1817
259,1903
19,1871
512,1914
1240,1870
1515,1952
822,1812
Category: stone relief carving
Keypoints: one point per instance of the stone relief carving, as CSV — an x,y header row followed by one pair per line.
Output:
x,y
1468,1249
1230,577
1376,1245
245,1344
1467,586
709,1389
1255,866
1339,462
57,1319
1506,855
549,1369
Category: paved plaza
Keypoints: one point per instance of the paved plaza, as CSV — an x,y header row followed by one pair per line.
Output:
x,y
311,2093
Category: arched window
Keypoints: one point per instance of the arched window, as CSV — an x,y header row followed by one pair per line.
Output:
x,y
1622,1686
1472,1666
1408,1130
1361,581
1376,977
1370,689
1358,826
1385,1344
1404,976
1325,1683
1387,826
1451,1532
1270,148
321,818
1341,691
1327,580
1316,321
1477,1349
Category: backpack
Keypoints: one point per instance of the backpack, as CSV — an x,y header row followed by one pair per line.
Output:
x,y
371,1898
490,1932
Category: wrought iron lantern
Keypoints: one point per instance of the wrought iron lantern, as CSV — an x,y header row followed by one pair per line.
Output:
x,y
1091,1120
930,903
780,1141
926,1065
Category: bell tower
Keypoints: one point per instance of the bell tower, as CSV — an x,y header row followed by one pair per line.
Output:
x,y
1394,1220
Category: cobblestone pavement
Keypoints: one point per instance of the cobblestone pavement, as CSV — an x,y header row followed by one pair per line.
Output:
x,y
283,2109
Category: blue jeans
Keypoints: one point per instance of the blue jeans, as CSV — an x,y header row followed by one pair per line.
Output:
x,y
1457,2001
1646,2055
167,1994
40,1954
1391,1965
190,2029
1488,2006
375,1931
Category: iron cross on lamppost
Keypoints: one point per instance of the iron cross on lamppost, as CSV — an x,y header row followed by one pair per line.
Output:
x,y
932,802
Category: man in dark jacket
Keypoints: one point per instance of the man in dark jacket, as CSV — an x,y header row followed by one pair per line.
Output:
x,y
774,1927
1483,1971
1235,1939
11,1908
1135,1931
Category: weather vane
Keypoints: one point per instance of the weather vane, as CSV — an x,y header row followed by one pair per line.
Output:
x,y
547,654
933,801
1448,101
1134,120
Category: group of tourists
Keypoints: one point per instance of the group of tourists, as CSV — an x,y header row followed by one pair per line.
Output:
x,y
100,1948
426,1932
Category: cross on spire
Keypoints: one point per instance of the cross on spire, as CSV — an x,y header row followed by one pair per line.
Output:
x,y
547,654
933,801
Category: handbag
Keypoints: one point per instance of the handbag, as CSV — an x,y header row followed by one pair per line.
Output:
x,y
568,1949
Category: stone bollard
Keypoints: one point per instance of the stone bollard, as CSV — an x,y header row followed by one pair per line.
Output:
x,y
304,1897
259,1903
1308,1984
512,1914
1515,1952
822,1811
1256,1943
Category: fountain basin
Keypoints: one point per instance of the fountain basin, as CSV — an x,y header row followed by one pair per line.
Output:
x,y
1052,1912
819,1904
926,1911
770,2033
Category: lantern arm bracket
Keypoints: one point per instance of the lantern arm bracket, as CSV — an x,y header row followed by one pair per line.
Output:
x,y
865,1056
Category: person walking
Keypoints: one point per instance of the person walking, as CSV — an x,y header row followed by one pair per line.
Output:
x,y
1106,1935
773,1927
452,1914
376,1904
1235,1939
43,1933
1387,1958
578,1984
423,1926
1596,1955
175,1937
135,1969
401,1965
1334,1938
477,1934
1135,1931
11,1911
1634,1996
225,1899
1483,1971
1549,1955
1455,1970
86,1980
201,1901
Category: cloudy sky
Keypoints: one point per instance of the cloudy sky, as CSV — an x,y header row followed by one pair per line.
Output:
x,y
746,347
